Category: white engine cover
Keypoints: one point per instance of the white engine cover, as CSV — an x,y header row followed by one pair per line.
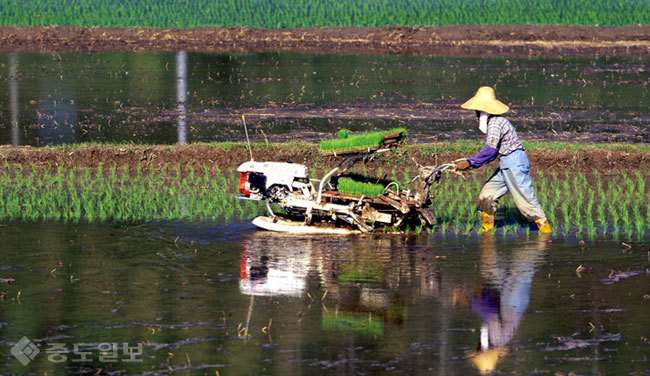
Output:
x,y
277,173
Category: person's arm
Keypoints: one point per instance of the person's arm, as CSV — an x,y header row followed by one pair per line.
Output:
x,y
485,156
490,150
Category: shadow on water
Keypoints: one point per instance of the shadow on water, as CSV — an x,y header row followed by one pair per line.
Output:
x,y
200,297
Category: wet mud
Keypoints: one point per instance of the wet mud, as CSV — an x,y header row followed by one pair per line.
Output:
x,y
507,40
426,122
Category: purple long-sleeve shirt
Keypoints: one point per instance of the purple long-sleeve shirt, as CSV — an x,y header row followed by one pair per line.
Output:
x,y
486,155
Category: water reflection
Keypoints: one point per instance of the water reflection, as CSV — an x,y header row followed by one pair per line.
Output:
x,y
57,110
274,266
143,97
503,298
345,305
13,97
181,96
373,288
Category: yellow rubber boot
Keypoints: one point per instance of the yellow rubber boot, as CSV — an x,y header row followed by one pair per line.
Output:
x,y
543,226
488,222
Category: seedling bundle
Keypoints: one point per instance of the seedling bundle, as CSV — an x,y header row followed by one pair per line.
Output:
x,y
347,144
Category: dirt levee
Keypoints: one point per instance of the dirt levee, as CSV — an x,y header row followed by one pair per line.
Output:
x,y
510,40
552,158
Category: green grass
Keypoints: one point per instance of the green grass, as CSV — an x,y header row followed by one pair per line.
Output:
x,y
358,141
353,187
311,13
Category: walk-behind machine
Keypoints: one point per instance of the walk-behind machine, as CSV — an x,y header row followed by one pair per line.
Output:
x,y
341,202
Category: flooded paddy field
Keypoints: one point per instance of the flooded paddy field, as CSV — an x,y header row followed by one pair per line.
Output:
x,y
181,97
210,297
138,259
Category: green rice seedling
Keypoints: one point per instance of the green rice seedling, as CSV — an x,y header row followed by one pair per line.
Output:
x,y
591,228
577,210
566,185
353,187
357,142
615,219
590,204
639,227
640,182
625,216
319,13
636,210
550,212
566,216
468,226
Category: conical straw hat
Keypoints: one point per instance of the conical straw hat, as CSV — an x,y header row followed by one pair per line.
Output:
x,y
485,101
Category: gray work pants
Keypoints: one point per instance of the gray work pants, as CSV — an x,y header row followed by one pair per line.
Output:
x,y
511,176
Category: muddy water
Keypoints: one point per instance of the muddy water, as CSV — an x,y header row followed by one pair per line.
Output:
x,y
190,97
202,298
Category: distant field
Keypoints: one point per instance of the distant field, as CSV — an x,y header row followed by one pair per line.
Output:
x,y
311,13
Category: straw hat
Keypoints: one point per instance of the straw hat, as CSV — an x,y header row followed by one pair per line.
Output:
x,y
485,101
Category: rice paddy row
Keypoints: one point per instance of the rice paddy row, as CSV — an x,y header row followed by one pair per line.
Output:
x,y
311,13
581,205
119,195
586,206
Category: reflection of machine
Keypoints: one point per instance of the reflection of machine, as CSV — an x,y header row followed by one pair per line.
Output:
x,y
325,208
365,289
273,266
360,298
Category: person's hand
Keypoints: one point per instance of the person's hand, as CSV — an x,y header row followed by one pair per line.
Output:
x,y
462,165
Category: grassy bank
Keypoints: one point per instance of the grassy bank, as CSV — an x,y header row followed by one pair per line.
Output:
x,y
312,13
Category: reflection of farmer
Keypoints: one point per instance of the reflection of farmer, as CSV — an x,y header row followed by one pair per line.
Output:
x,y
512,174
503,300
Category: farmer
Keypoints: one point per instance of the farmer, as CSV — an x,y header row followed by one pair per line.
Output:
x,y
512,174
